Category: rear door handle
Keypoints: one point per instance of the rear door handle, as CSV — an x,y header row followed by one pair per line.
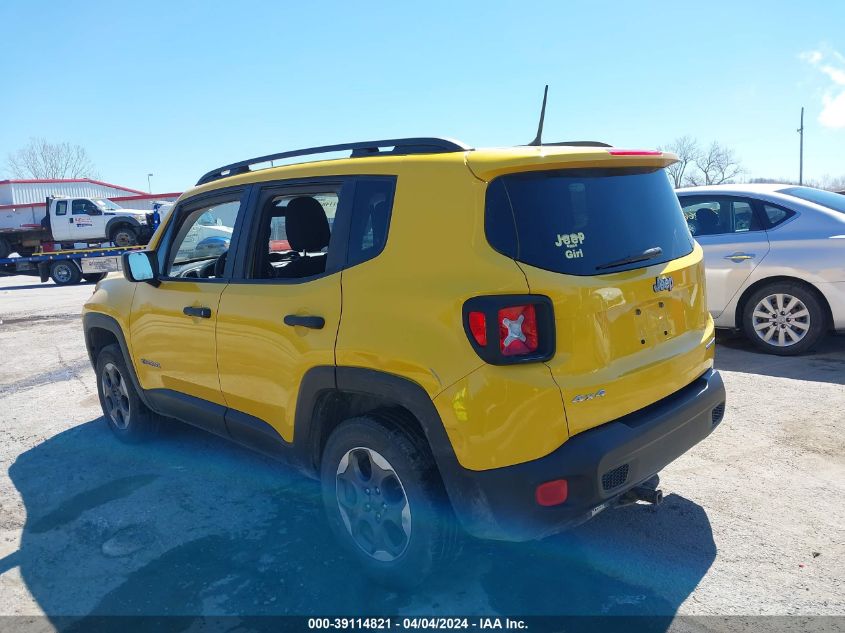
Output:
x,y
202,313
740,257
313,322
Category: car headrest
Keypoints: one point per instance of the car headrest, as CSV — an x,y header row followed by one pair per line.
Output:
x,y
708,220
306,225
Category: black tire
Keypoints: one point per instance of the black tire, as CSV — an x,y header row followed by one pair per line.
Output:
x,y
94,277
807,319
431,534
65,273
124,235
127,416
5,248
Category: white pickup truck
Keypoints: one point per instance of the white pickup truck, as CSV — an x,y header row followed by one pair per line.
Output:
x,y
69,221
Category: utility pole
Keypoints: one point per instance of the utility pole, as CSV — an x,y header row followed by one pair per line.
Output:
x,y
150,186
801,151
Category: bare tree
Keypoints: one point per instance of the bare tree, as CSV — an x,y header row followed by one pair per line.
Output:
x,y
687,151
715,165
40,159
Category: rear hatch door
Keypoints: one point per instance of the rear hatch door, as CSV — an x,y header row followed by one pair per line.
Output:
x,y
609,245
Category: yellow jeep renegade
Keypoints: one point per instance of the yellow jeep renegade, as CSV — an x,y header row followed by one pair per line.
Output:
x,y
506,340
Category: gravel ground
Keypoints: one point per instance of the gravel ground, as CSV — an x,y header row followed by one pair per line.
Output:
x,y
189,524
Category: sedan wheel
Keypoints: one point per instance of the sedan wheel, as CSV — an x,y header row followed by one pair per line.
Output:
x,y
781,320
784,318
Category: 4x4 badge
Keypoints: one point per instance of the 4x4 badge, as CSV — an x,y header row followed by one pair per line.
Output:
x,y
589,396
663,283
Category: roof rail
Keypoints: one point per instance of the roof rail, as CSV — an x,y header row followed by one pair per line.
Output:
x,y
581,144
399,146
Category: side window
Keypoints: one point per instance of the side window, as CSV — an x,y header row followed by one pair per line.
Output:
x,y
203,235
61,207
776,215
84,207
370,219
718,216
294,233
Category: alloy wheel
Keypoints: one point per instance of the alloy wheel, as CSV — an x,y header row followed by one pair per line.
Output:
x,y
373,504
115,396
781,320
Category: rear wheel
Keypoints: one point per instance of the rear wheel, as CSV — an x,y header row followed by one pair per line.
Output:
x,y
94,277
126,414
784,318
124,235
65,273
384,501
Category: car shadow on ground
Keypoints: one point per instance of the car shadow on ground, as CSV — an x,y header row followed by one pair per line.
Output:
x,y
825,363
191,525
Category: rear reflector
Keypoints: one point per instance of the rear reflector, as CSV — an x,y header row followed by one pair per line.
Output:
x,y
518,330
478,327
634,152
552,493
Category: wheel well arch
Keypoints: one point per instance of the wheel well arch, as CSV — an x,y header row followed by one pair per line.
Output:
x,y
97,338
335,406
115,223
746,295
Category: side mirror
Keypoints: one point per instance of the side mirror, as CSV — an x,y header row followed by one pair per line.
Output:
x,y
141,266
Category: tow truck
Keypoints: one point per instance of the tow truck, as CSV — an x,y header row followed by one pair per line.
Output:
x,y
67,267
70,221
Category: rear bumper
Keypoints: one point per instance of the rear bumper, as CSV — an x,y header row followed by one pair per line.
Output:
x,y
500,503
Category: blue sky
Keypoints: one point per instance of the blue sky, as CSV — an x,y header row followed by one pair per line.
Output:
x,y
177,88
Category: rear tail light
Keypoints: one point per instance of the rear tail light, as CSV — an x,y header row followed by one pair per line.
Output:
x,y
518,330
508,329
478,327
552,493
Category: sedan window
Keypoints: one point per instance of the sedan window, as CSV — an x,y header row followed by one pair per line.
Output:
x,y
719,215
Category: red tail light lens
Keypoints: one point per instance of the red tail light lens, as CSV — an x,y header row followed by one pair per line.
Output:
x,y
478,327
552,493
518,330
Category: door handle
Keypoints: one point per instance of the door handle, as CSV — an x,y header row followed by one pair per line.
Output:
x,y
740,257
313,322
202,313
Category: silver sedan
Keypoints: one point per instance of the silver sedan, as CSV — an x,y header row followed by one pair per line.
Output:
x,y
774,258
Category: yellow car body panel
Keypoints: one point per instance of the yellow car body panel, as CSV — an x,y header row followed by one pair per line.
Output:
x,y
172,350
261,360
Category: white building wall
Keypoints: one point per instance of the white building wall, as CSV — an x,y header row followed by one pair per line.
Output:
x,y
29,192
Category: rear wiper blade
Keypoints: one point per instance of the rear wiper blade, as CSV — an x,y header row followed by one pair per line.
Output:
x,y
649,253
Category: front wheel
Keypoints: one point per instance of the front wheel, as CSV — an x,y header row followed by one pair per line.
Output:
x,y
384,501
124,236
784,318
126,414
65,273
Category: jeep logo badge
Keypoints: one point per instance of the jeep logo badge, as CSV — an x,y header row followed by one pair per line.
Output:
x,y
663,283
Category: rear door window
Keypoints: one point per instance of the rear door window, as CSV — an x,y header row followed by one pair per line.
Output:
x,y
719,215
583,221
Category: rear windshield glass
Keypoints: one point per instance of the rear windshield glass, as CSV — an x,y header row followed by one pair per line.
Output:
x,y
829,199
587,221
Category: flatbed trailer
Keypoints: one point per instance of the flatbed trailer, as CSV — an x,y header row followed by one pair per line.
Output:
x,y
68,267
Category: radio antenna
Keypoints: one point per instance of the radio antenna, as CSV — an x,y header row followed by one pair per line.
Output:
x,y
539,138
